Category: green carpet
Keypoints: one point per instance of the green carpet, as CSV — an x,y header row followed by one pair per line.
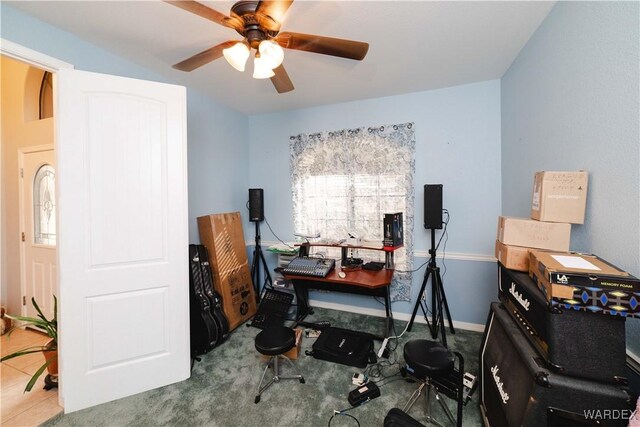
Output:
x,y
222,387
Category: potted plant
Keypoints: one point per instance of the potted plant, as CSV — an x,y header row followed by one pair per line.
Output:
x,y
50,349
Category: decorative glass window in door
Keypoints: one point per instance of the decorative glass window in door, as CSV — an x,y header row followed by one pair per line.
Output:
x,y
44,206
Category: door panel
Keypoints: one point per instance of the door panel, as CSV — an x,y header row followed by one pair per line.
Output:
x,y
123,243
38,211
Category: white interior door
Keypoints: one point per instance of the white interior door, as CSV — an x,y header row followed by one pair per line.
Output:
x,y
38,219
122,185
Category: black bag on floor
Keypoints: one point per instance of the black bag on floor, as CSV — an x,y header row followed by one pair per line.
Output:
x,y
398,418
346,347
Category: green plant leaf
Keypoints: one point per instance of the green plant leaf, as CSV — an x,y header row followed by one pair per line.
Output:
x,y
41,322
27,320
22,352
37,307
35,376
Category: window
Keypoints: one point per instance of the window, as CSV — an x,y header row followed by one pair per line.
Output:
x,y
345,181
44,206
46,96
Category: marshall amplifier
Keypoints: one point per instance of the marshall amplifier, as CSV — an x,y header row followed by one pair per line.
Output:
x,y
517,388
576,343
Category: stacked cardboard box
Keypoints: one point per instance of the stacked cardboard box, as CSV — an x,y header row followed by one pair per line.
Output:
x,y
585,282
558,200
553,304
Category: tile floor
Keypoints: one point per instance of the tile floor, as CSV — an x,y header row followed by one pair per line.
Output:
x,y
18,408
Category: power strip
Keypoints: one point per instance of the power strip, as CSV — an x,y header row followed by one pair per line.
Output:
x,y
383,347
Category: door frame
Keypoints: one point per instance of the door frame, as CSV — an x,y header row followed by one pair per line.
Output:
x,y
21,212
31,57
51,64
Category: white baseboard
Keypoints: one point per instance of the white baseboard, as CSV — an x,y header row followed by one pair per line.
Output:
x,y
381,313
633,357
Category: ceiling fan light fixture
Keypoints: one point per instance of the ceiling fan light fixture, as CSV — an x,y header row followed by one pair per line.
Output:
x,y
237,55
261,68
271,52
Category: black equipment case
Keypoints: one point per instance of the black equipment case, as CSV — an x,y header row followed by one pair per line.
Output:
x,y
346,347
517,388
208,325
573,342
398,418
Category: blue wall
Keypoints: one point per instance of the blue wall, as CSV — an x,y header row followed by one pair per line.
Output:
x,y
217,136
457,144
570,101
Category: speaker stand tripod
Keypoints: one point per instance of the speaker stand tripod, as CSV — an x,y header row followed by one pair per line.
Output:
x,y
258,262
438,298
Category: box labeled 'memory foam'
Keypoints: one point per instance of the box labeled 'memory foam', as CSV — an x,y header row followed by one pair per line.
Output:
x,y
530,233
559,196
585,282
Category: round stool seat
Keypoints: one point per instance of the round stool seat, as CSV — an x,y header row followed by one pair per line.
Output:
x,y
275,340
428,358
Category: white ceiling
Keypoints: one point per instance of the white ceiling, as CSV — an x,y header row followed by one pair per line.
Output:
x,y
414,45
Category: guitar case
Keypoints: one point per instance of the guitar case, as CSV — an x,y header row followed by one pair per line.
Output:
x,y
215,299
204,331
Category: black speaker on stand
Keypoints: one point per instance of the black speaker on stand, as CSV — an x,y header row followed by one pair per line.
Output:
x,y
256,214
439,305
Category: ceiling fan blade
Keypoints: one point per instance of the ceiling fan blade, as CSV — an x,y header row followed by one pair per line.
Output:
x,y
204,57
271,13
325,45
281,80
205,12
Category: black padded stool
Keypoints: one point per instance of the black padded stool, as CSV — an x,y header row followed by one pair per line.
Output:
x,y
274,341
433,365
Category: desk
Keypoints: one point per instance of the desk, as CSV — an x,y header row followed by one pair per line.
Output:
x,y
362,282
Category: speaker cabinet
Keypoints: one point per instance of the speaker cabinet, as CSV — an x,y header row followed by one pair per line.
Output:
x,y
433,206
518,389
572,342
256,204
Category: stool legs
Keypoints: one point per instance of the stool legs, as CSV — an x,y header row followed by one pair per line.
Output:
x,y
273,363
430,389
414,397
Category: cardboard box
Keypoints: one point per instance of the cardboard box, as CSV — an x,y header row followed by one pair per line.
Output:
x,y
530,233
559,196
393,230
585,282
513,257
223,236
295,351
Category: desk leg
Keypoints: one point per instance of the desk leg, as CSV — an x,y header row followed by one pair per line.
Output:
x,y
302,297
387,307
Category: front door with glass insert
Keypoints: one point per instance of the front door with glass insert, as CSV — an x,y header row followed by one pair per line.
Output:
x,y
38,210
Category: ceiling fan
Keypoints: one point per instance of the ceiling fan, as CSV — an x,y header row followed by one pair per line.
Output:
x,y
259,23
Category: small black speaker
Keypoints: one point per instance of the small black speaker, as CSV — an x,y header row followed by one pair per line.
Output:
x,y
433,206
256,204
